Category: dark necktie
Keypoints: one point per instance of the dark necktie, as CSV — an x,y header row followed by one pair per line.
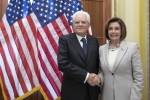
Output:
x,y
84,45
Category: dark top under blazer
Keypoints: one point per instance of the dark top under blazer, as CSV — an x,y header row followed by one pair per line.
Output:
x,y
75,65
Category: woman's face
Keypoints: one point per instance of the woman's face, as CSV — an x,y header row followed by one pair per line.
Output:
x,y
114,31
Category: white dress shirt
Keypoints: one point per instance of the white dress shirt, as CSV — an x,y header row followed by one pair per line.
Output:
x,y
111,58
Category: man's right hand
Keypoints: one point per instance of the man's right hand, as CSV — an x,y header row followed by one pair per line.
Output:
x,y
93,79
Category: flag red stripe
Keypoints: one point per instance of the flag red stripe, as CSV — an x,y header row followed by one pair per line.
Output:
x,y
48,74
49,56
44,87
51,39
66,24
24,60
8,71
56,27
4,86
33,28
31,51
11,52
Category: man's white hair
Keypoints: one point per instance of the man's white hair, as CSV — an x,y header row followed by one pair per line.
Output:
x,y
81,13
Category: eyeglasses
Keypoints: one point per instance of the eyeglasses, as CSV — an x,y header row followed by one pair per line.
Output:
x,y
78,22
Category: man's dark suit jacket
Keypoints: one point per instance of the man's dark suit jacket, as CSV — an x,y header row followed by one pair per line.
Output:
x,y
75,65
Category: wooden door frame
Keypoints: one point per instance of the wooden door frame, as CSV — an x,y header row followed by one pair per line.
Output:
x,y
148,47
3,5
106,12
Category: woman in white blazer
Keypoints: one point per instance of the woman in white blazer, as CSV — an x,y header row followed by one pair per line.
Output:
x,y
121,70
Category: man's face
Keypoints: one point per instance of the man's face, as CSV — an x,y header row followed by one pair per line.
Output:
x,y
80,25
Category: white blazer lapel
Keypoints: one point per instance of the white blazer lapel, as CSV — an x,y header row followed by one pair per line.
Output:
x,y
121,52
105,56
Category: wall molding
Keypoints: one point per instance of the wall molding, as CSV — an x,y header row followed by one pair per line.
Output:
x,y
148,46
115,8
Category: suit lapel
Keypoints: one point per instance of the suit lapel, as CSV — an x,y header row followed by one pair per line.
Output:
x,y
77,45
120,54
105,56
89,47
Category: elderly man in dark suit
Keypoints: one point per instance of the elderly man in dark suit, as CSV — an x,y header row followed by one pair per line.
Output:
x,y
78,59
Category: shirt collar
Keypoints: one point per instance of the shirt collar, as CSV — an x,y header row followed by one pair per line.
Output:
x,y
79,37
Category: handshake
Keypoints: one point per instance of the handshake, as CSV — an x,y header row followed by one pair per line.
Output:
x,y
93,79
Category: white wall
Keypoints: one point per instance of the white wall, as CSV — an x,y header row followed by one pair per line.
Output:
x,y
128,10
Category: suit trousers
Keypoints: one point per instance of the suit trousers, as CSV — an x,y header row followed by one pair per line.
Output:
x,y
87,94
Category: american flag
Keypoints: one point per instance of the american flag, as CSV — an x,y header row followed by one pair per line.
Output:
x,y
18,50
55,19
29,43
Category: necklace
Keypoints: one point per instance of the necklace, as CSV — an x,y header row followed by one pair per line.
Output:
x,y
114,48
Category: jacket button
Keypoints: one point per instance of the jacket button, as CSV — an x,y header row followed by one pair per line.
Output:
x,y
112,73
